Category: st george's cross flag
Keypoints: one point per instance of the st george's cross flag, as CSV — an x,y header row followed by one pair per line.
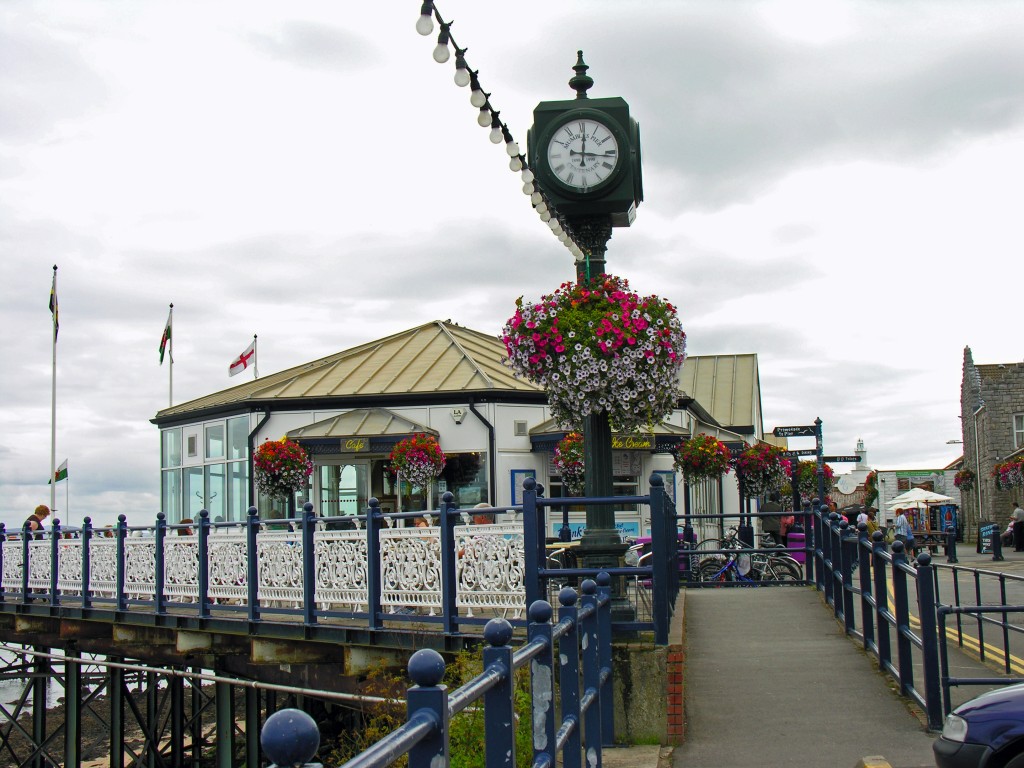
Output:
x,y
244,360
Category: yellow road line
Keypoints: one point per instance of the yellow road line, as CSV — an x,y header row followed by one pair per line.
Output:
x,y
969,642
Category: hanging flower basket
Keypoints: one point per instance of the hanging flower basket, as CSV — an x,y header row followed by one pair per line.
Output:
x,y
568,461
760,469
1009,474
807,477
870,488
965,480
417,459
282,468
702,457
597,347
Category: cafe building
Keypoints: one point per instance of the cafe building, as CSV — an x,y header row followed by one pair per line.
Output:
x,y
348,410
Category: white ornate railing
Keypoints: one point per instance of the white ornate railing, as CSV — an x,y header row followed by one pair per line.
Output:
x,y
489,568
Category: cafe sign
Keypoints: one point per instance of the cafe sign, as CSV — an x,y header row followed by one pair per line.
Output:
x,y
633,442
355,445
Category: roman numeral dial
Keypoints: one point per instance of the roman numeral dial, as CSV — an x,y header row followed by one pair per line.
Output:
x,y
583,154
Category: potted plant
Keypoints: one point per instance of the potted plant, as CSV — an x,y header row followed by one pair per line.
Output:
x,y
568,460
702,457
282,468
417,459
598,347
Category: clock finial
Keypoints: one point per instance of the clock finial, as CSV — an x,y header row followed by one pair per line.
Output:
x,y
581,81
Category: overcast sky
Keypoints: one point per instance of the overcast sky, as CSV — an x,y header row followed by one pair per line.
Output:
x,y
835,186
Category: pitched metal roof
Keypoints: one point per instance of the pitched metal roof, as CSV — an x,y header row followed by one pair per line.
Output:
x,y
434,358
726,385
361,422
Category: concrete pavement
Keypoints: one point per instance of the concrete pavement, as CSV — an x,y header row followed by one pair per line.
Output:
x,y
772,680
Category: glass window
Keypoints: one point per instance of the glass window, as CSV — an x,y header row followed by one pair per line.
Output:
x,y
170,494
192,483
215,495
1018,430
238,438
238,489
170,448
465,475
215,441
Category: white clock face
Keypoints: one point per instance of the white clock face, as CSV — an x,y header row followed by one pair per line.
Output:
x,y
583,153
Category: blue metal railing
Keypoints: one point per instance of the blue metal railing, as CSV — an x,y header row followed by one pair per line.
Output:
x,y
902,614
581,678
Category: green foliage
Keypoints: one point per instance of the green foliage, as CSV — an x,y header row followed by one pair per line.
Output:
x,y
467,738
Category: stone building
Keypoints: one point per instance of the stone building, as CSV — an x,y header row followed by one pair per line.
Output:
x,y
992,424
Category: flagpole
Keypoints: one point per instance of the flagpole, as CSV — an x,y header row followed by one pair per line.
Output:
x,y
170,368
67,497
53,393
255,359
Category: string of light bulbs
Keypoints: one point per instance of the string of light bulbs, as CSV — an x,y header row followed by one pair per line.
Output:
x,y
490,117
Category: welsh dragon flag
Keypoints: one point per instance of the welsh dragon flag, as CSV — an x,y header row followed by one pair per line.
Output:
x,y
61,474
166,339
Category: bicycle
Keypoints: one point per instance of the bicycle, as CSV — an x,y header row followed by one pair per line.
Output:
x,y
749,566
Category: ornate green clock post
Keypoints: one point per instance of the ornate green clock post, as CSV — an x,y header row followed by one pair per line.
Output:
x,y
586,156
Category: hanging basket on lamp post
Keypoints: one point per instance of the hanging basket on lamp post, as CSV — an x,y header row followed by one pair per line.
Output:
x,y
598,347
282,468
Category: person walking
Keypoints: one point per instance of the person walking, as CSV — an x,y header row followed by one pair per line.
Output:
x,y
35,520
771,523
1017,516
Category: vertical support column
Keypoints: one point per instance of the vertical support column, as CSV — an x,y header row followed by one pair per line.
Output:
x,y
569,678
592,736
373,575
86,562
309,564
54,533
252,574
848,550
867,619
252,728
661,560
120,532
177,691
152,720
499,701
428,698
72,710
449,611
904,659
929,640
196,721
203,532
533,543
542,684
604,632
159,534
40,679
115,690
225,704
881,598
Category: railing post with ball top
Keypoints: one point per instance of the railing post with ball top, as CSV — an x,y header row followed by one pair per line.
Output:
x,y
499,701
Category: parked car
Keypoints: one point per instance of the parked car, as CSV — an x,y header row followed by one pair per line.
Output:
x,y
985,732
